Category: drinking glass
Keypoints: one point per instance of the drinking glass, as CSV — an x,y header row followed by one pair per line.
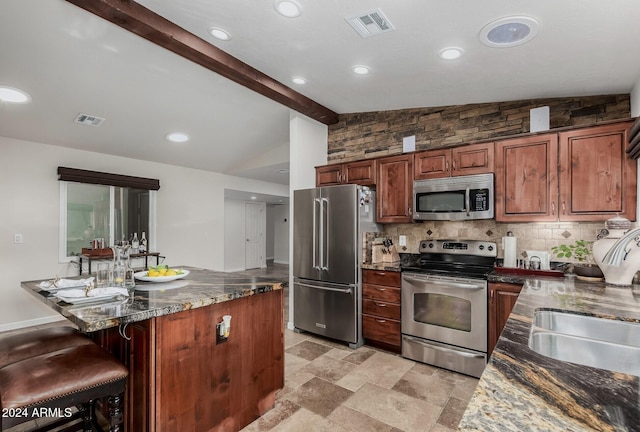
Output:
x,y
102,275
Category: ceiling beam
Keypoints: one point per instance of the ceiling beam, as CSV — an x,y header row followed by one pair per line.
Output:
x,y
139,20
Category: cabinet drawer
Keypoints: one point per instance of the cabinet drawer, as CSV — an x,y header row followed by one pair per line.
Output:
x,y
381,293
380,277
381,309
381,330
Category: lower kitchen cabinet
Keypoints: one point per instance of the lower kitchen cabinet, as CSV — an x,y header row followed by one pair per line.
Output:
x,y
181,378
502,298
381,309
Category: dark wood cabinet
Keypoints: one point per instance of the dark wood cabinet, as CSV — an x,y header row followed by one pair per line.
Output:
x,y
597,179
359,172
463,160
381,309
395,189
502,298
182,379
578,175
526,185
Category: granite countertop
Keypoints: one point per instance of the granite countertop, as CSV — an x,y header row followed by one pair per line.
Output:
x,y
406,259
521,390
199,288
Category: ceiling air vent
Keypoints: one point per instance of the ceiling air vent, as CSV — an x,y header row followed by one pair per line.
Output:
x,y
371,23
89,120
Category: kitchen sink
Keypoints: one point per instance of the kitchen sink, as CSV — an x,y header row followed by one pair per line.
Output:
x,y
590,341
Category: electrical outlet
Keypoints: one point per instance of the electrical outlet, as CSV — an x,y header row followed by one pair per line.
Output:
x,y
402,240
17,238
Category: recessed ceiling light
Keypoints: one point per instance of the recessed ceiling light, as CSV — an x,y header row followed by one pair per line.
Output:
x,y
253,197
360,70
219,33
13,95
298,80
177,137
509,31
288,8
451,53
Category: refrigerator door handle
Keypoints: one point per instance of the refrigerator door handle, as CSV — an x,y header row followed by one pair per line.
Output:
x,y
314,239
324,209
325,288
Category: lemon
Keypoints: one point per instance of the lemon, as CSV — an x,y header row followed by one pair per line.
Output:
x,y
170,272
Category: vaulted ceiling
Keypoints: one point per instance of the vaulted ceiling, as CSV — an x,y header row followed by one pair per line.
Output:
x,y
72,61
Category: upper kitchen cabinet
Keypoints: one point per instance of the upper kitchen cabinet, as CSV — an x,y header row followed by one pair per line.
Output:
x,y
464,160
359,172
394,189
526,179
597,180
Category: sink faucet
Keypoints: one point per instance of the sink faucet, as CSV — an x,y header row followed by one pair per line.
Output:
x,y
618,252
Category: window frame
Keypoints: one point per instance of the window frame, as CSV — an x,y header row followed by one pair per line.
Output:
x,y
62,234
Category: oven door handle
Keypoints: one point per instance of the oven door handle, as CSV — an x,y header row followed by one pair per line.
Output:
x,y
442,349
442,282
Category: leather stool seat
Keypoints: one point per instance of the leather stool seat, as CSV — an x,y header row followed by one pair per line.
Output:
x,y
63,377
26,345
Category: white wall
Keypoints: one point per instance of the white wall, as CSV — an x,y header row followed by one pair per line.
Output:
x,y
635,99
308,146
190,217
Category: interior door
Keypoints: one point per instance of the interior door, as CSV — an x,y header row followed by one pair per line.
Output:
x,y
255,222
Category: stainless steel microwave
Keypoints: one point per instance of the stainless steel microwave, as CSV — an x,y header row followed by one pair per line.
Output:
x,y
454,198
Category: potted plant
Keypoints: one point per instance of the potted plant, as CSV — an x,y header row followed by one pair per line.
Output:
x,y
580,251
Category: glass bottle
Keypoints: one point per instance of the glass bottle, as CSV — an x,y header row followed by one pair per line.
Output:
x,y
135,243
142,248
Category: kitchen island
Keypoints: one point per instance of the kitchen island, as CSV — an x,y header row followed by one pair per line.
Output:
x,y
521,390
182,376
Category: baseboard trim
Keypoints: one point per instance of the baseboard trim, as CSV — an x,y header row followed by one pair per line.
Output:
x,y
234,270
280,262
30,323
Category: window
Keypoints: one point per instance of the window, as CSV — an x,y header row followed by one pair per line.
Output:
x,y
113,213
91,211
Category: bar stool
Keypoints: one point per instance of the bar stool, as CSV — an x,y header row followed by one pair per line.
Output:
x,y
43,376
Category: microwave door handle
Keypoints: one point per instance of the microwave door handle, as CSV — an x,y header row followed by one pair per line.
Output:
x,y
466,202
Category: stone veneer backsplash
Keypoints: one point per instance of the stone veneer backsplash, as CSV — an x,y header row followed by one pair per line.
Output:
x,y
531,236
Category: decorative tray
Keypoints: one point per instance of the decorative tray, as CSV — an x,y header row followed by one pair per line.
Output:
x,y
529,272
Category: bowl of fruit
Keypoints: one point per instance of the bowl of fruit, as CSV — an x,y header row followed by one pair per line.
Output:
x,y
161,273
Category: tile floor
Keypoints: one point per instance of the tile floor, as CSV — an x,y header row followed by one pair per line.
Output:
x,y
330,387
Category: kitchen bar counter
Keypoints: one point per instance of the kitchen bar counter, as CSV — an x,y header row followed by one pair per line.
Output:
x,y
521,390
183,375
198,289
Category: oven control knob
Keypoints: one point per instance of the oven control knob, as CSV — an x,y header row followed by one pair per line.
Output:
x,y
490,248
481,247
431,245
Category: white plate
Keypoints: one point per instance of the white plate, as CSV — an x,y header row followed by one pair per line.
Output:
x,y
79,300
162,287
143,277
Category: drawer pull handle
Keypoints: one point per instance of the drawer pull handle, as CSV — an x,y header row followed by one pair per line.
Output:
x,y
381,321
381,289
381,305
379,273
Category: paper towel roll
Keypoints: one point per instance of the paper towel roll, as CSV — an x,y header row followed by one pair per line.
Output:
x,y
510,248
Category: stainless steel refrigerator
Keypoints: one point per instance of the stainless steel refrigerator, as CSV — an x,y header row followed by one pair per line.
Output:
x,y
328,227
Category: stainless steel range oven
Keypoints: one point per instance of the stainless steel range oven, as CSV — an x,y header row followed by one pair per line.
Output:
x,y
444,305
